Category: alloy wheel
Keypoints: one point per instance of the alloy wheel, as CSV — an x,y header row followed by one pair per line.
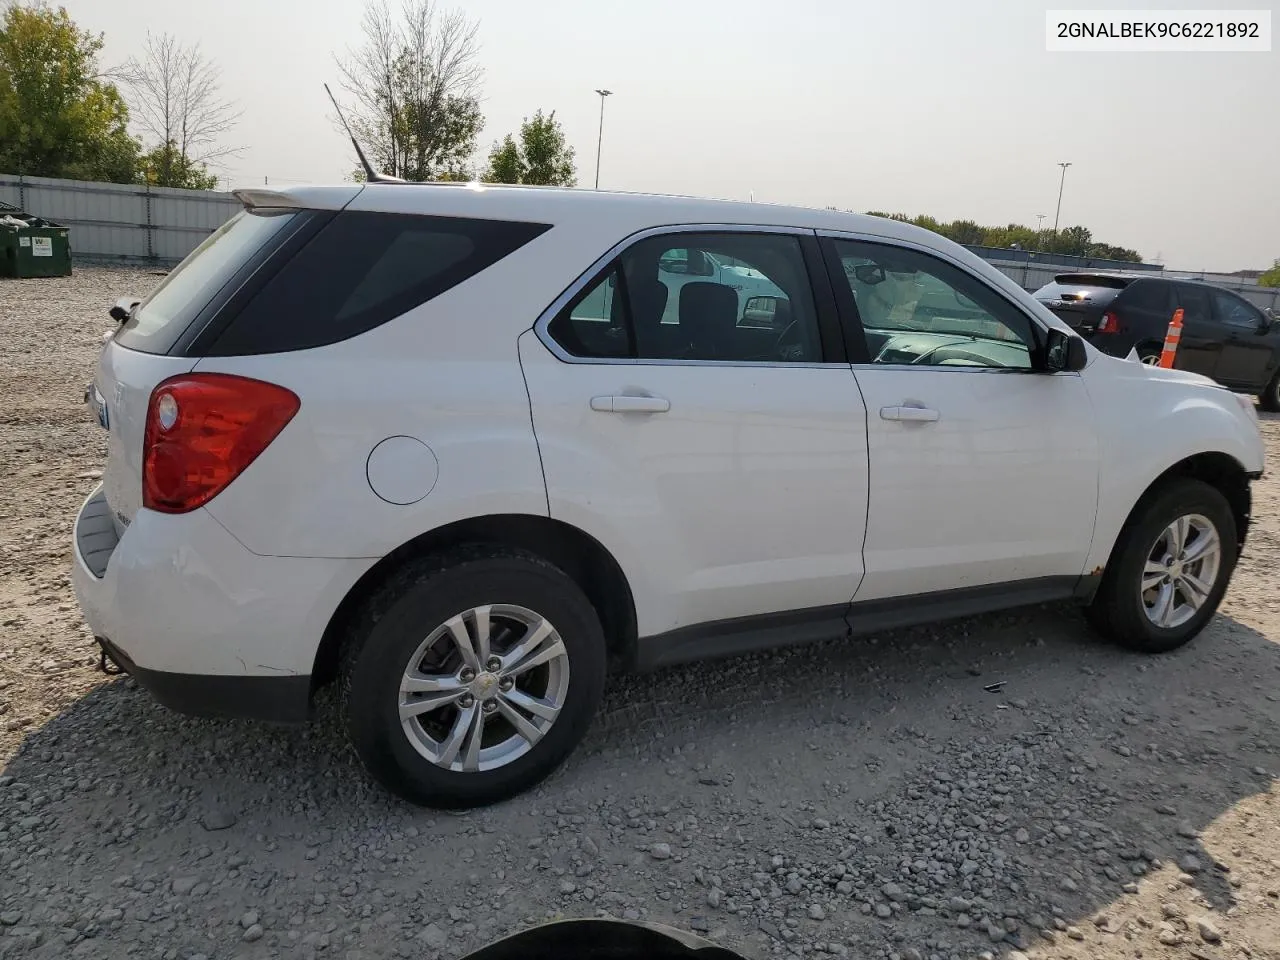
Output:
x,y
484,687
1181,571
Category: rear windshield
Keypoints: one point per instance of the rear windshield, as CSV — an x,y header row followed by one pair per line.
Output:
x,y
1086,291
361,270
164,316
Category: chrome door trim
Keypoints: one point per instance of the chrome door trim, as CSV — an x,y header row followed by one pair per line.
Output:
x,y
593,272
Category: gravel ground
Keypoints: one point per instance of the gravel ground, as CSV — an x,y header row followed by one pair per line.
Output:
x,y
868,799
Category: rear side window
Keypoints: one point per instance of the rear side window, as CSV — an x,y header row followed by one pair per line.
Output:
x,y
162,318
1153,295
361,270
1195,302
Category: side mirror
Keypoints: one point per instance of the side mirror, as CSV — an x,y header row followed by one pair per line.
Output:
x,y
869,273
700,265
1064,352
760,311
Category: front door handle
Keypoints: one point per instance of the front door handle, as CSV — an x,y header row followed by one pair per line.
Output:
x,y
910,414
630,404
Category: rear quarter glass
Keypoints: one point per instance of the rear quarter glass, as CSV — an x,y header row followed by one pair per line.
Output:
x,y
163,317
360,270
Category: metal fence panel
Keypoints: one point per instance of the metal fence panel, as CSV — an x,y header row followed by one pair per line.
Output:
x,y
122,221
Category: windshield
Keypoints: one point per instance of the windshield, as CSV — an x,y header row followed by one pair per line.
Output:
x,y
158,322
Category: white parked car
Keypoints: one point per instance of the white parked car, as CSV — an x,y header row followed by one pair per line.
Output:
x,y
438,444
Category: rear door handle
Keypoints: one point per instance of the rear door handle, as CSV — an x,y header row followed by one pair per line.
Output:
x,y
911,414
630,404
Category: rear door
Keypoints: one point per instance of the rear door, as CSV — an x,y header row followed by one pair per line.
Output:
x,y
723,464
1200,348
1248,354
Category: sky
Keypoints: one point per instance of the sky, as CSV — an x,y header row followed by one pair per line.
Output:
x,y
948,107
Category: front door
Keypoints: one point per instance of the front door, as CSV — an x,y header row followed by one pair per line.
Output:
x,y
723,464
982,471
1250,349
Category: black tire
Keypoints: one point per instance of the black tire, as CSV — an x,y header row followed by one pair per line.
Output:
x,y
399,617
1269,399
1117,610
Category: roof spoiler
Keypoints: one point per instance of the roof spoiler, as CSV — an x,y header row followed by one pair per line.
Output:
x,y
253,198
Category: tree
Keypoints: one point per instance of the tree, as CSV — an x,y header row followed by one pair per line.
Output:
x,y
506,164
1073,241
174,93
1272,277
1076,241
415,82
549,160
165,166
541,158
58,116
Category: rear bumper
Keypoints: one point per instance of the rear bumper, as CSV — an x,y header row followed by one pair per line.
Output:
x,y
208,627
273,699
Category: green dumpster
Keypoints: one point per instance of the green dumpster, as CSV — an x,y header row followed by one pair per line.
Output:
x,y
32,246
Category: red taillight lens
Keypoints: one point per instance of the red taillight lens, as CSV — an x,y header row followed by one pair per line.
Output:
x,y
203,429
1110,323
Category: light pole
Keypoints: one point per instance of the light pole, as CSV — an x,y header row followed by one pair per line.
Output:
x,y
1061,183
600,135
1040,221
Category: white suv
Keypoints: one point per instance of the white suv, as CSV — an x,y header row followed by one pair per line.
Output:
x,y
437,443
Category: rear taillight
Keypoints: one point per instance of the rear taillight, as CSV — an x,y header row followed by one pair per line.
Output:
x,y
1110,323
203,429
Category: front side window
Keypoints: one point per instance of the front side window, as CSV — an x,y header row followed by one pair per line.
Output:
x,y
917,309
729,297
1234,312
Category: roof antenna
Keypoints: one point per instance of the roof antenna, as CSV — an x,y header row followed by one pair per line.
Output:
x,y
370,175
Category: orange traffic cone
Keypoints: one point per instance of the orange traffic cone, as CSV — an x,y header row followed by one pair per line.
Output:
x,y
1171,338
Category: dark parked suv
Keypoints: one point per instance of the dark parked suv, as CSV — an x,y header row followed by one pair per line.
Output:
x,y
1224,336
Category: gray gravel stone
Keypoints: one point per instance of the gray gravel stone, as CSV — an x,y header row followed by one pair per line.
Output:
x,y
218,818
660,851
1209,933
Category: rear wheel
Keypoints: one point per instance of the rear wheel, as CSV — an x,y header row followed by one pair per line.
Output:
x,y
1170,569
471,677
1269,399
1149,355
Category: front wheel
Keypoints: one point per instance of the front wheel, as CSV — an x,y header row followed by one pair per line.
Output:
x,y
1170,569
1269,399
471,676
